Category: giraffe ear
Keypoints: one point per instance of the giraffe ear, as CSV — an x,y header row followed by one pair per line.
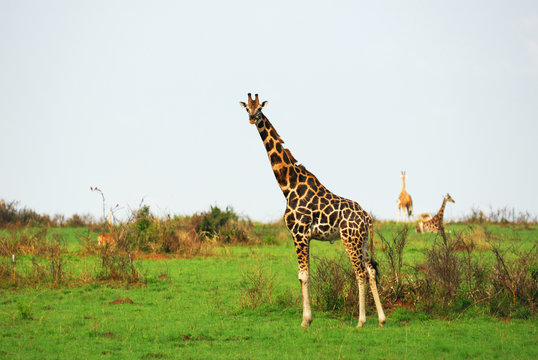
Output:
x,y
264,103
243,104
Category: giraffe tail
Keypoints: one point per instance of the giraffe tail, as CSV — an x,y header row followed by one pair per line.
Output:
x,y
410,209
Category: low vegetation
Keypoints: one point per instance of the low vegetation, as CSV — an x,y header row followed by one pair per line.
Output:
x,y
185,284
452,277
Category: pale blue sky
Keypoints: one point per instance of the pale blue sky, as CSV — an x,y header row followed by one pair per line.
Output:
x,y
141,100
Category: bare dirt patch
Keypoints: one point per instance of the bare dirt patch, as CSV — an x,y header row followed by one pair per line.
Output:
x,y
122,301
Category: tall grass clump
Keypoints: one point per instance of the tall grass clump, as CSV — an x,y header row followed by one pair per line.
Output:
x,y
503,216
23,241
45,251
257,286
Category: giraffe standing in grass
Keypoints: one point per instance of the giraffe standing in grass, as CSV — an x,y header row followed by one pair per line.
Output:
x,y
405,202
313,212
435,224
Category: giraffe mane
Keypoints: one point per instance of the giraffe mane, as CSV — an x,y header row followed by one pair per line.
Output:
x,y
291,158
288,153
279,140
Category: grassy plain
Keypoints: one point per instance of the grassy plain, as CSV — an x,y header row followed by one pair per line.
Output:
x,y
198,309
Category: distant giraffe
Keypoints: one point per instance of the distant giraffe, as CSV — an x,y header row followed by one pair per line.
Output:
x,y
435,224
107,240
404,201
313,212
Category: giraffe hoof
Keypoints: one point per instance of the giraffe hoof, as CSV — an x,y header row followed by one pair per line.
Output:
x,y
306,323
382,323
361,323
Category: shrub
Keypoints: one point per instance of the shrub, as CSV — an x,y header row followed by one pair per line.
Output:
x,y
393,251
224,226
143,218
79,220
29,241
513,284
118,265
334,285
213,221
443,265
11,215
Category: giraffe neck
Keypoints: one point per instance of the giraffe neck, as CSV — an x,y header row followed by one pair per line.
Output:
x,y
282,161
441,210
403,185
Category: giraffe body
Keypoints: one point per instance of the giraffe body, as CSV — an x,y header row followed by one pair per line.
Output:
x,y
405,203
435,224
313,212
421,219
105,240
425,217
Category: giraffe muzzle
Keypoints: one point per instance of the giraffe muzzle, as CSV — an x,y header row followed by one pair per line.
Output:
x,y
254,118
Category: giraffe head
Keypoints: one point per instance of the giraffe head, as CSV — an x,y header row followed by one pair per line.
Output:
x,y
449,198
403,175
254,108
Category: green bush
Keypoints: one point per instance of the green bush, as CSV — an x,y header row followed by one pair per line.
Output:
x,y
213,221
334,285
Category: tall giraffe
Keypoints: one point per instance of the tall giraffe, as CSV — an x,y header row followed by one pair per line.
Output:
x,y
435,224
404,200
313,212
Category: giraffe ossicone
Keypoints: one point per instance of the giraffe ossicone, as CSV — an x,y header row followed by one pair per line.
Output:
x,y
313,212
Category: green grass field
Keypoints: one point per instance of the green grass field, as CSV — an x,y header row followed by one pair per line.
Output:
x,y
199,308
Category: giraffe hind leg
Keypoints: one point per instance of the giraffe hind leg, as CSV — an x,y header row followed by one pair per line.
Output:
x,y
372,274
355,256
361,279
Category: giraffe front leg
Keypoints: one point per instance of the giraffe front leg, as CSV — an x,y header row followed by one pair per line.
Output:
x,y
302,248
304,278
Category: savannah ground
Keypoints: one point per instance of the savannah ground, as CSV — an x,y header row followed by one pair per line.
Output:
x,y
243,302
